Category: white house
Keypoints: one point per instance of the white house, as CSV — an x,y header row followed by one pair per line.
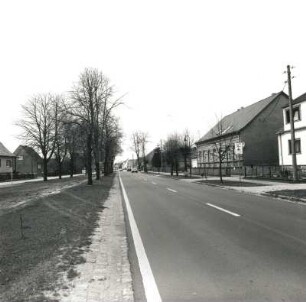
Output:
x,y
7,160
284,136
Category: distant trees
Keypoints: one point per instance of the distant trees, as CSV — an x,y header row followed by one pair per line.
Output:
x,y
139,142
156,159
136,143
39,125
172,147
82,123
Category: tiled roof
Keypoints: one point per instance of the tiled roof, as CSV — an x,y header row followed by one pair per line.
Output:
x,y
236,121
4,151
29,150
299,99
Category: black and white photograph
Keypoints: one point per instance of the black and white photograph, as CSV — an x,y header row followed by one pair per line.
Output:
x,y
152,151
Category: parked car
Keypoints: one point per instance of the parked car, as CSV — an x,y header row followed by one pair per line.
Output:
x,y
134,170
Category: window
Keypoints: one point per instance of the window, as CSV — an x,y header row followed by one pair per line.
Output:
x,y
296,114
8,163
0,162
20,157
297,146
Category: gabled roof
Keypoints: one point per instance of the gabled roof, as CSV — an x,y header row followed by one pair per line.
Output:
x,y
29,150
4,151
300,99
235,122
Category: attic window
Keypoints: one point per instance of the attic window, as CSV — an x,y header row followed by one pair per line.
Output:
x,y
296,114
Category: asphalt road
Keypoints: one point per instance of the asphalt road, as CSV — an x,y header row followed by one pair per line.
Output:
x,y
211,244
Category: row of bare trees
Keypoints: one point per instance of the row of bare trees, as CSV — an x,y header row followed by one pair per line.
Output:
x,y
81,123
177,148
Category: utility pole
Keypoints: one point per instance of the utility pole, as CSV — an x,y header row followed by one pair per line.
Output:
x,y
190,157
293,153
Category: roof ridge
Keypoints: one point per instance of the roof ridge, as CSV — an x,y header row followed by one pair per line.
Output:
x,y
240,118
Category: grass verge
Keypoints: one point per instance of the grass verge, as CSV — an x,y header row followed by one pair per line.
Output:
x,y
47,238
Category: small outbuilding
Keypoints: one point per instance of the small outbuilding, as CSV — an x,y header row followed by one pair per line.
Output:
x,y
28,161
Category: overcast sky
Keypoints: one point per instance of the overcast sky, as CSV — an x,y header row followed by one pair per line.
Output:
x,y
181,64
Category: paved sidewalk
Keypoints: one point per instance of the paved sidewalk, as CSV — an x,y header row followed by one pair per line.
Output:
x,y
105,276
17,182
264,186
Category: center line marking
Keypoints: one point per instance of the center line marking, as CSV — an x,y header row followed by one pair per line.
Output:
x,y
221,209
171,190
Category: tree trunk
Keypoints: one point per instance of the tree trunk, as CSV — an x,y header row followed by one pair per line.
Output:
x,y
97,170
89,160
71,165
45,162
145,169
185,160
220,171
60,169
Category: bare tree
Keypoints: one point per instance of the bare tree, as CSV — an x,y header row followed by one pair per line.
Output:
x,y
136,141
112,141
143,144
172,147
60,150
222,144
39,125
85,108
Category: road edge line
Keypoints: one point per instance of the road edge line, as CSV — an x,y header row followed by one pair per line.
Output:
x,y
149,283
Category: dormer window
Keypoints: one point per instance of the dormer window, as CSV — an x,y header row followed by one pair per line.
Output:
x,y
296,114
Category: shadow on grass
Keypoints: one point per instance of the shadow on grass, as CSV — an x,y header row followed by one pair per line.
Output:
x,y
229,183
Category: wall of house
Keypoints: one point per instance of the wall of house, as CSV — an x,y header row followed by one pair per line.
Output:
x,y
26,164
297,124
261,142
285,159
208,157
3,167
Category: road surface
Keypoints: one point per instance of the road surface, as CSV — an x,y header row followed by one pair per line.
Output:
x,y
211,244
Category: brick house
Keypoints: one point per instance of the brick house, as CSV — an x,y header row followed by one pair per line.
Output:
x,y
28,161
7,160
255,126
284,135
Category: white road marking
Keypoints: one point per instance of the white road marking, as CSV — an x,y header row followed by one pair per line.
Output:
x,y
221,209
149,284
153,183
171,190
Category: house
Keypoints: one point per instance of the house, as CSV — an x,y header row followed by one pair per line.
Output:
x,y
28,161
252,129
7,160
284,135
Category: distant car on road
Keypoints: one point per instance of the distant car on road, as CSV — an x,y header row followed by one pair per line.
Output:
x,y
134,170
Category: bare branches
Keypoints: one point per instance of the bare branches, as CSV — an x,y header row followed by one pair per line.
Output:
x,y
39,124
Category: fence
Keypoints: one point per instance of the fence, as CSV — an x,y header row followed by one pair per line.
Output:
x,y
266,172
